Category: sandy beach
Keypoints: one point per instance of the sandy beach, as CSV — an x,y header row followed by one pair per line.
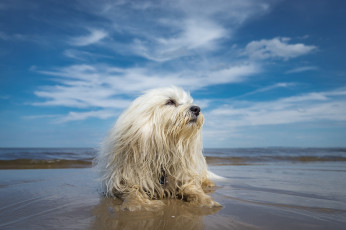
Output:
x,y
270,196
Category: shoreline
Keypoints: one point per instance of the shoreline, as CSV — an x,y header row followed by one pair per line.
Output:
x,y
43,164
211,160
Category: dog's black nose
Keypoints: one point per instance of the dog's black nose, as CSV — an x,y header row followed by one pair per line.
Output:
x,y
195,110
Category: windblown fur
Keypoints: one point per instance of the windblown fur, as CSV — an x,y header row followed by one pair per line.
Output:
x,y
154,151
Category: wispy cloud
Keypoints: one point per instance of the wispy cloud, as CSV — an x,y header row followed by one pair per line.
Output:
x,y
78,116
301,69
86,86
164,31
310,107
94,36
74,116
84,56
228,121
196,36
268,88
18,37
42,116
276,48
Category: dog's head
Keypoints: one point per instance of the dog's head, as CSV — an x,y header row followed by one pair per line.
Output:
x,y
167,112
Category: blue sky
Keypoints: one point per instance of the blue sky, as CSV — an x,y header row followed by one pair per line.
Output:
x,y
265,72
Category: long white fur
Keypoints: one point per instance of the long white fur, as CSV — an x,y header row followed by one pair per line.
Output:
x,y
150,140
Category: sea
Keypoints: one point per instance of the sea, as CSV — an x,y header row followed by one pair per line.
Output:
x,y
83,157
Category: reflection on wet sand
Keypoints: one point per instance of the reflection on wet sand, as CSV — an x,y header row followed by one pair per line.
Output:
x,y
177,214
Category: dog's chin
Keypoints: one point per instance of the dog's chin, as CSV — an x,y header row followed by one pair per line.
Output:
x,y
193,119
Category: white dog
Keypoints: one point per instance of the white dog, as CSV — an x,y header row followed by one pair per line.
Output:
x,y
154,151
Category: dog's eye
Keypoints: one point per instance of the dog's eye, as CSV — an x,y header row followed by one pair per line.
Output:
x,y
171,102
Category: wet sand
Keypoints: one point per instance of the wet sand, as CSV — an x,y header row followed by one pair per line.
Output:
x,y
271,196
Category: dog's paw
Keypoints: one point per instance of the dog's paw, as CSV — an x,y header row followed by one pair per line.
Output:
x,y
216,204
142,204
154,205
202,200
127,206
209,202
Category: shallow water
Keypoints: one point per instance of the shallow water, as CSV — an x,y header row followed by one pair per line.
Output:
x,y
296,196
278,195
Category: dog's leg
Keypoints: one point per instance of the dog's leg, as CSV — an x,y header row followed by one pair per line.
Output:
x,y
207,183
208,186
195,195
134,201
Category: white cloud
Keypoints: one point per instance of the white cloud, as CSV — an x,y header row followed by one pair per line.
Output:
x,y
93,37
105,87
101,86
21,38
43,116
195,36
302,69
76,116
81,86
330,105
109,88
268,88
232,74
164,31
230,120
203,103
84,55
276,48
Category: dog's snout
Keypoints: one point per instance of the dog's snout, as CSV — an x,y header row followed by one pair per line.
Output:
x,y
195,110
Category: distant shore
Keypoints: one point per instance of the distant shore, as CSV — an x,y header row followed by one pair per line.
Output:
x,y
211,160
43,164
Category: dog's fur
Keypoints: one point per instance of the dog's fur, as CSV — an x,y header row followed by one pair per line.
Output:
x,y
154,151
